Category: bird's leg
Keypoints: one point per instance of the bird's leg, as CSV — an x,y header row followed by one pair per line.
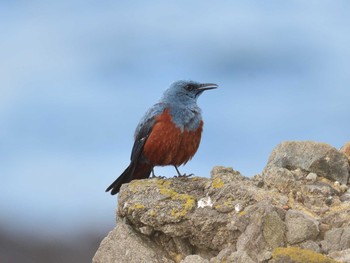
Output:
x,y
154,176
178,172
181,175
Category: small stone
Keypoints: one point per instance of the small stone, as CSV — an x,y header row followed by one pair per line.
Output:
x,y
260,184
343,188
323,229
311,177
258,180
146,230
194,259
336,184
286,207
345,197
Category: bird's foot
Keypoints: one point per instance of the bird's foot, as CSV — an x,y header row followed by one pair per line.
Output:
x,y
184,175
155,176
181,175
158,177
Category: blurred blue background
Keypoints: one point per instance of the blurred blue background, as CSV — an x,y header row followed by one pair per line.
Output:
x,y
76,77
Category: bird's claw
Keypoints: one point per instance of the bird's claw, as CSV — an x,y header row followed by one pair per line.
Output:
x,y
184,175
158,177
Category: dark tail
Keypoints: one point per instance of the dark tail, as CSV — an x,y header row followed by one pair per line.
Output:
x,y
132,172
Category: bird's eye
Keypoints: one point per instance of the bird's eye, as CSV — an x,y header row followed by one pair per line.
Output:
x,y
189,87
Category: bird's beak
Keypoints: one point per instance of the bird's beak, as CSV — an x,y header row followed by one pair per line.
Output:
x,y
207,86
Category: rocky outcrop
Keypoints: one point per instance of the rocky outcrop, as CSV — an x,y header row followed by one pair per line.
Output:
x,y
319,158
296,210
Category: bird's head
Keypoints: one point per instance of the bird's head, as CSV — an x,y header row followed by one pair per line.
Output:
x,y
186,91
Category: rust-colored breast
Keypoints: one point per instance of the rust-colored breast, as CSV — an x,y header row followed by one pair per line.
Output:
x,y
168,145
189,144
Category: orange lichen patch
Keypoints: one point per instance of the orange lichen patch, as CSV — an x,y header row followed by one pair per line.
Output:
x,y
168,145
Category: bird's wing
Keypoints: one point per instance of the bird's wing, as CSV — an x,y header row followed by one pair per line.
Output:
x,y
144,129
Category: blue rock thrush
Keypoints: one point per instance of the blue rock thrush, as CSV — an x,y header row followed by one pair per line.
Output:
x,y
168,134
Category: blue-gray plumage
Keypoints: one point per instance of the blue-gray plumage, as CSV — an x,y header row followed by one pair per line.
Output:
x,y
168,134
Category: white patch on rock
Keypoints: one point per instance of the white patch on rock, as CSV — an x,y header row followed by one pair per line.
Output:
x,y
238,208
125,205
205,201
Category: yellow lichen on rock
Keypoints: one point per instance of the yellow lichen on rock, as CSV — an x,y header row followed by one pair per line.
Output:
x,y
152,213
188,202
242,213
183,202
163,183
135,184
195,178
227,205
176,257
298,255
135,207
217,183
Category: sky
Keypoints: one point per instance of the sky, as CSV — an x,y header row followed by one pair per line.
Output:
x,y
77,76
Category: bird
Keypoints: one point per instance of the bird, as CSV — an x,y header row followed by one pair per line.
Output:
x,y
168,134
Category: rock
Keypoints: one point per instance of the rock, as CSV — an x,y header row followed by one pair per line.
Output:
x,y
341,256
336,239
298,255
343,188
266,230
310,245
346,150
239,257
300,227
311,177
232,218
273,230
280,178
194,259
338,216
223,255
319,158
123,244
345,197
